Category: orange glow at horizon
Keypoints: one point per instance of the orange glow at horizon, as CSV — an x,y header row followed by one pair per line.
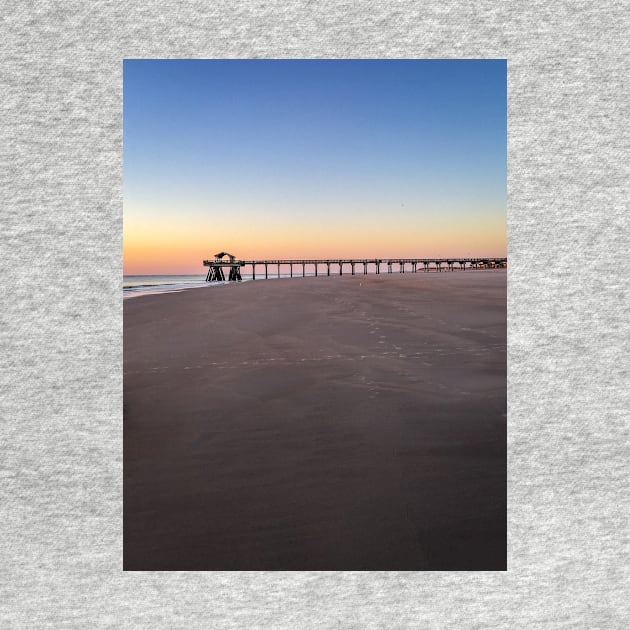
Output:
x,y
164,248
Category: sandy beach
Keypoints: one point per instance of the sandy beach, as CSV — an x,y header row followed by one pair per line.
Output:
x,y
342,423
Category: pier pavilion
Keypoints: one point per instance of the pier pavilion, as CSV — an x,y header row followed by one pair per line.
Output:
x,y
221,261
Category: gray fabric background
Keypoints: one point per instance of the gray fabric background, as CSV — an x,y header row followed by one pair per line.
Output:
x,y
61,333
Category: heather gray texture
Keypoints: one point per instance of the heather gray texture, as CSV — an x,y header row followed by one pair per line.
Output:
x,y
61,334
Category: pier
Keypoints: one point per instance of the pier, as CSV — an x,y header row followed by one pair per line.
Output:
x,y
354,266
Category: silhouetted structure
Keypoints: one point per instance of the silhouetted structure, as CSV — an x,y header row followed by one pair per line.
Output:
x,y
216,266
215,272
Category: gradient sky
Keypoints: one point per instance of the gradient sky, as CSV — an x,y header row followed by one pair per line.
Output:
x,y
313,159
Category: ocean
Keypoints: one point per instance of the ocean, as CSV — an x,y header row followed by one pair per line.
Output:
x,y
135,286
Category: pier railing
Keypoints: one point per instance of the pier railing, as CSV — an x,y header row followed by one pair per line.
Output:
x,y
217,266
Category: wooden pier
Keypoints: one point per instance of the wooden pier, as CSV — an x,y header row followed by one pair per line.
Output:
x,y
223,260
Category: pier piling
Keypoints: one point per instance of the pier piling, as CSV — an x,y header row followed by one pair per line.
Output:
x,y
222,260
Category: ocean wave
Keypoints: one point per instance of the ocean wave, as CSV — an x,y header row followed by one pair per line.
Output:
x,y
154,289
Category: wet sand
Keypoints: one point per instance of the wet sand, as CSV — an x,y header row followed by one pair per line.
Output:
x,y
342,423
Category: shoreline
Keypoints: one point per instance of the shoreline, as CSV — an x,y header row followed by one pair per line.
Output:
x,y
352,424
130,294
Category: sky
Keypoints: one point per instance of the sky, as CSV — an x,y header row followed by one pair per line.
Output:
x,y
312,159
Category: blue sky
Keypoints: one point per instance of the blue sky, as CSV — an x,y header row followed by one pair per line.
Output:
x,y
264,145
